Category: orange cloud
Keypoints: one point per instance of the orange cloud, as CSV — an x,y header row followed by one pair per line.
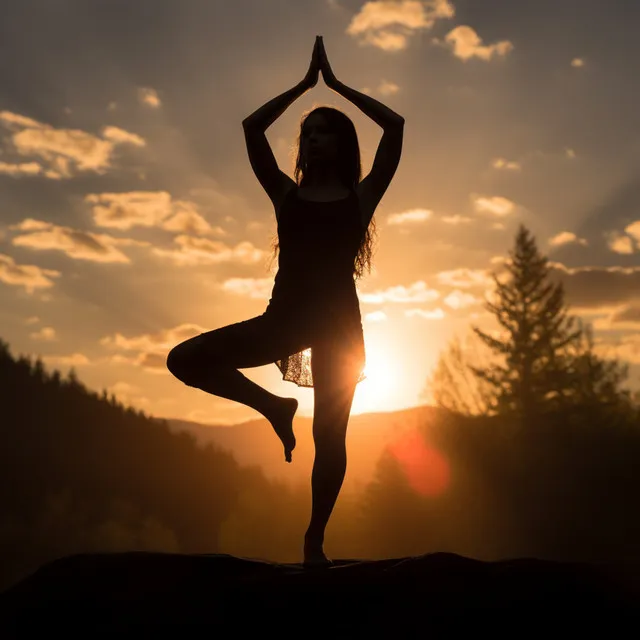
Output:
x,y
80,245
466,44
387,25
29,276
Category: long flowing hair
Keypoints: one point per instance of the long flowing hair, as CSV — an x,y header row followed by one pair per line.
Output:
x,y
349,170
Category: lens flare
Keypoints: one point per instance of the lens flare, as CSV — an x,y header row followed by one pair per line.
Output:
x,y
426,469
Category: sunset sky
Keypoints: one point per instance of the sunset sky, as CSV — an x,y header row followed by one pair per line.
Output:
x,y
131,220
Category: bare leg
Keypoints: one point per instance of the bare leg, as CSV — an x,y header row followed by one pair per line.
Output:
x,y
210,362
334,387
329,469
279,411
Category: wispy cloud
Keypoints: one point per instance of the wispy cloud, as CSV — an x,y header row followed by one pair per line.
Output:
x,y
598,287
376,316
61,153
194,251
149,97
73,360
416,292
507,165
466,44
620,244
495,205
259,288
456,219
75,243
16,169
430,314
460,300
148,350
566,237
465,278
45,334
148,209
29,276
414,216
388,25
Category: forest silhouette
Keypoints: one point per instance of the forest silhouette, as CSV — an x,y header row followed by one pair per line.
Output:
x,y
541,458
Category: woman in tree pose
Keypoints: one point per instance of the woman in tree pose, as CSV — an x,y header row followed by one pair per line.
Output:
x,y
324,240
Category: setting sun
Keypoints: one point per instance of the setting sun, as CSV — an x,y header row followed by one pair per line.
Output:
x,y
379,389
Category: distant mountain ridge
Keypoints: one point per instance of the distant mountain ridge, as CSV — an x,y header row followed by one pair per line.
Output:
x,y
254,442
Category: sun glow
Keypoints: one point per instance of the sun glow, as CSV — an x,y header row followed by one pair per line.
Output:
x,y
382,384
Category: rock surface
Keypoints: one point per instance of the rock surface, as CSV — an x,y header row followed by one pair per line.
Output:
x,y
436,593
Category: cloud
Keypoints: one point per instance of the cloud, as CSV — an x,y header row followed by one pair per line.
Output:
x,y
456,219
416,292
388,25
148,209
120,136
257,288
625,348
598,287
46,334
195,251
29,276
433,314
21,168
388,88
149,97
128,394
80,245
73,360
32,320
466,44
620,244
508,165
460,300
65,152
629,314
634,231
149,350
376,316
566,237
409,217
496,205
465,278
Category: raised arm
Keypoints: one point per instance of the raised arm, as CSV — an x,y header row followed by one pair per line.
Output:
x,y
373,186
268,113
263,162
371,107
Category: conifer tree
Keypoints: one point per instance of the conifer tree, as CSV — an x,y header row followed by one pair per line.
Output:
x,y
547,364
536,329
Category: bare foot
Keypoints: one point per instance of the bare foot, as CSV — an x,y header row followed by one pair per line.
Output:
x,y
282,422
314,555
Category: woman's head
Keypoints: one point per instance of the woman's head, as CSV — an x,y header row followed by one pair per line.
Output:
x,y
328,137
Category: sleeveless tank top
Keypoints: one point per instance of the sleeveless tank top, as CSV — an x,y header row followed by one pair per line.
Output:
x,y
314,291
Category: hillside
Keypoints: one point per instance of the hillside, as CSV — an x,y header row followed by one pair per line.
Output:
x,y
254,443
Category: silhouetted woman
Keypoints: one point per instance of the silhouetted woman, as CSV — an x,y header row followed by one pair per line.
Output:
x,y
324,241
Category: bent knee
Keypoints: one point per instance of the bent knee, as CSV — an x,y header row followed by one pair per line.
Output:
x,y
182,363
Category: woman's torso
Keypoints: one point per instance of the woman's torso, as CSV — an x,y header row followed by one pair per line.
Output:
x,y
318,245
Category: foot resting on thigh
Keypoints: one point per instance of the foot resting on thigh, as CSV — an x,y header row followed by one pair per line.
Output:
x,y
282,422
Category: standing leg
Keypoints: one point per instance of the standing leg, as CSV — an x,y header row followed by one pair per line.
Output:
x,y
210,362
335,371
